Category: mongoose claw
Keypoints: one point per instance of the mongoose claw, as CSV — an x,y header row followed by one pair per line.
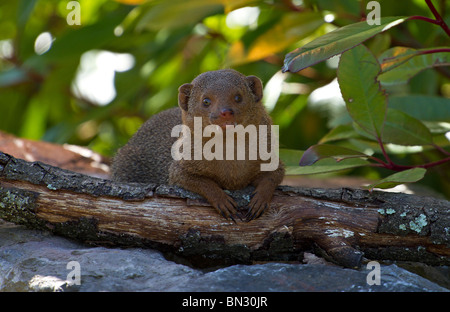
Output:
x,y
254,215
258,204
227,208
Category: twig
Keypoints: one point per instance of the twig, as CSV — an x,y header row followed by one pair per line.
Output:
x,y
390,163
438,21
435,163
393,166
431,51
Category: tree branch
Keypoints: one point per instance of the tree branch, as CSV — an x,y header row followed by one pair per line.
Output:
x,y
341,224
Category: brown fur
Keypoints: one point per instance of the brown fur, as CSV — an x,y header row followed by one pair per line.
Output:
x,y
147,157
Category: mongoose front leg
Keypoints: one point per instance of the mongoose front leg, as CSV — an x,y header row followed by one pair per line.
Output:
x,y
265,184
210,190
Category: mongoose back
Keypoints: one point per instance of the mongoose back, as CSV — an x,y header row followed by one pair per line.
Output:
x,y
221,98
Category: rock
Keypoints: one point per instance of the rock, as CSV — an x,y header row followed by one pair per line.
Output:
x,y
309,277
38,261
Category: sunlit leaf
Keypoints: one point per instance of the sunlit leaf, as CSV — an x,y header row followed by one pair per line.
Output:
x,y
284,33
178,13
77,41
336,42
35,118
366,102
231,5
401,64
395,56
407,176
132,2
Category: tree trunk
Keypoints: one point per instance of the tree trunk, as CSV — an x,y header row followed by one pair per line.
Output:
x,y
343,225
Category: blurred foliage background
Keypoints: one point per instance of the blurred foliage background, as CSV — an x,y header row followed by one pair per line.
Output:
x,y
95,83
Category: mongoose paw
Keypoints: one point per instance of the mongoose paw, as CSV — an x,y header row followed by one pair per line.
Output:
x,y
258,204
226,206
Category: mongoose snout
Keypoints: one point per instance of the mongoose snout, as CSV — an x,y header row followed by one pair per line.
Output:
x,y
223,118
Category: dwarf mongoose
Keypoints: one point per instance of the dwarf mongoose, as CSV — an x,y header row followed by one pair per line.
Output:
x,y
222,98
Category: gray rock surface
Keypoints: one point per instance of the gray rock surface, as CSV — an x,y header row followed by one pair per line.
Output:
x,y
38,261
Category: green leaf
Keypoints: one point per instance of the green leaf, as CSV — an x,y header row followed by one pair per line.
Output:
x,y
24,10
35,118
407,176
335,42
423,107
403,129
365,101
401,64
327,165
174,14
394,57
75,42
290,157
287,31
363,133
340,132
318,152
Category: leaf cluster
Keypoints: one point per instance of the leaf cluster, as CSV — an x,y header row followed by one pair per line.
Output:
x,y
366,83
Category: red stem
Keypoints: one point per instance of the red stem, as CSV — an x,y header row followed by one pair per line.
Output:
x,y
438,21
393,166
390,163
379,161
433,10
423,18
443,151
396,167
435,51
435,163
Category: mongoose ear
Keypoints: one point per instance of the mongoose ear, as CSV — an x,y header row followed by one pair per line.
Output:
x,y
256,86
184,92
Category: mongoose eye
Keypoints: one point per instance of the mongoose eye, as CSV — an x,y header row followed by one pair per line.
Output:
x,y
206,101
238,98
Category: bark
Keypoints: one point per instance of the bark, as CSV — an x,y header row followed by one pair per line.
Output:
x,y
346,226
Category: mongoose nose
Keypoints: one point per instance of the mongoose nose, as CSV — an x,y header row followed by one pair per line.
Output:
x,y
226,113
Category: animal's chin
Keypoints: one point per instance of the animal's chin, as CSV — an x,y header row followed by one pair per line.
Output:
x,y
225,125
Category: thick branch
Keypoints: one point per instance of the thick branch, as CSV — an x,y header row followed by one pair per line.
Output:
x,y
342,224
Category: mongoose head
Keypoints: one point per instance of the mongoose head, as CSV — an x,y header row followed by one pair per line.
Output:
x,y
222,97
